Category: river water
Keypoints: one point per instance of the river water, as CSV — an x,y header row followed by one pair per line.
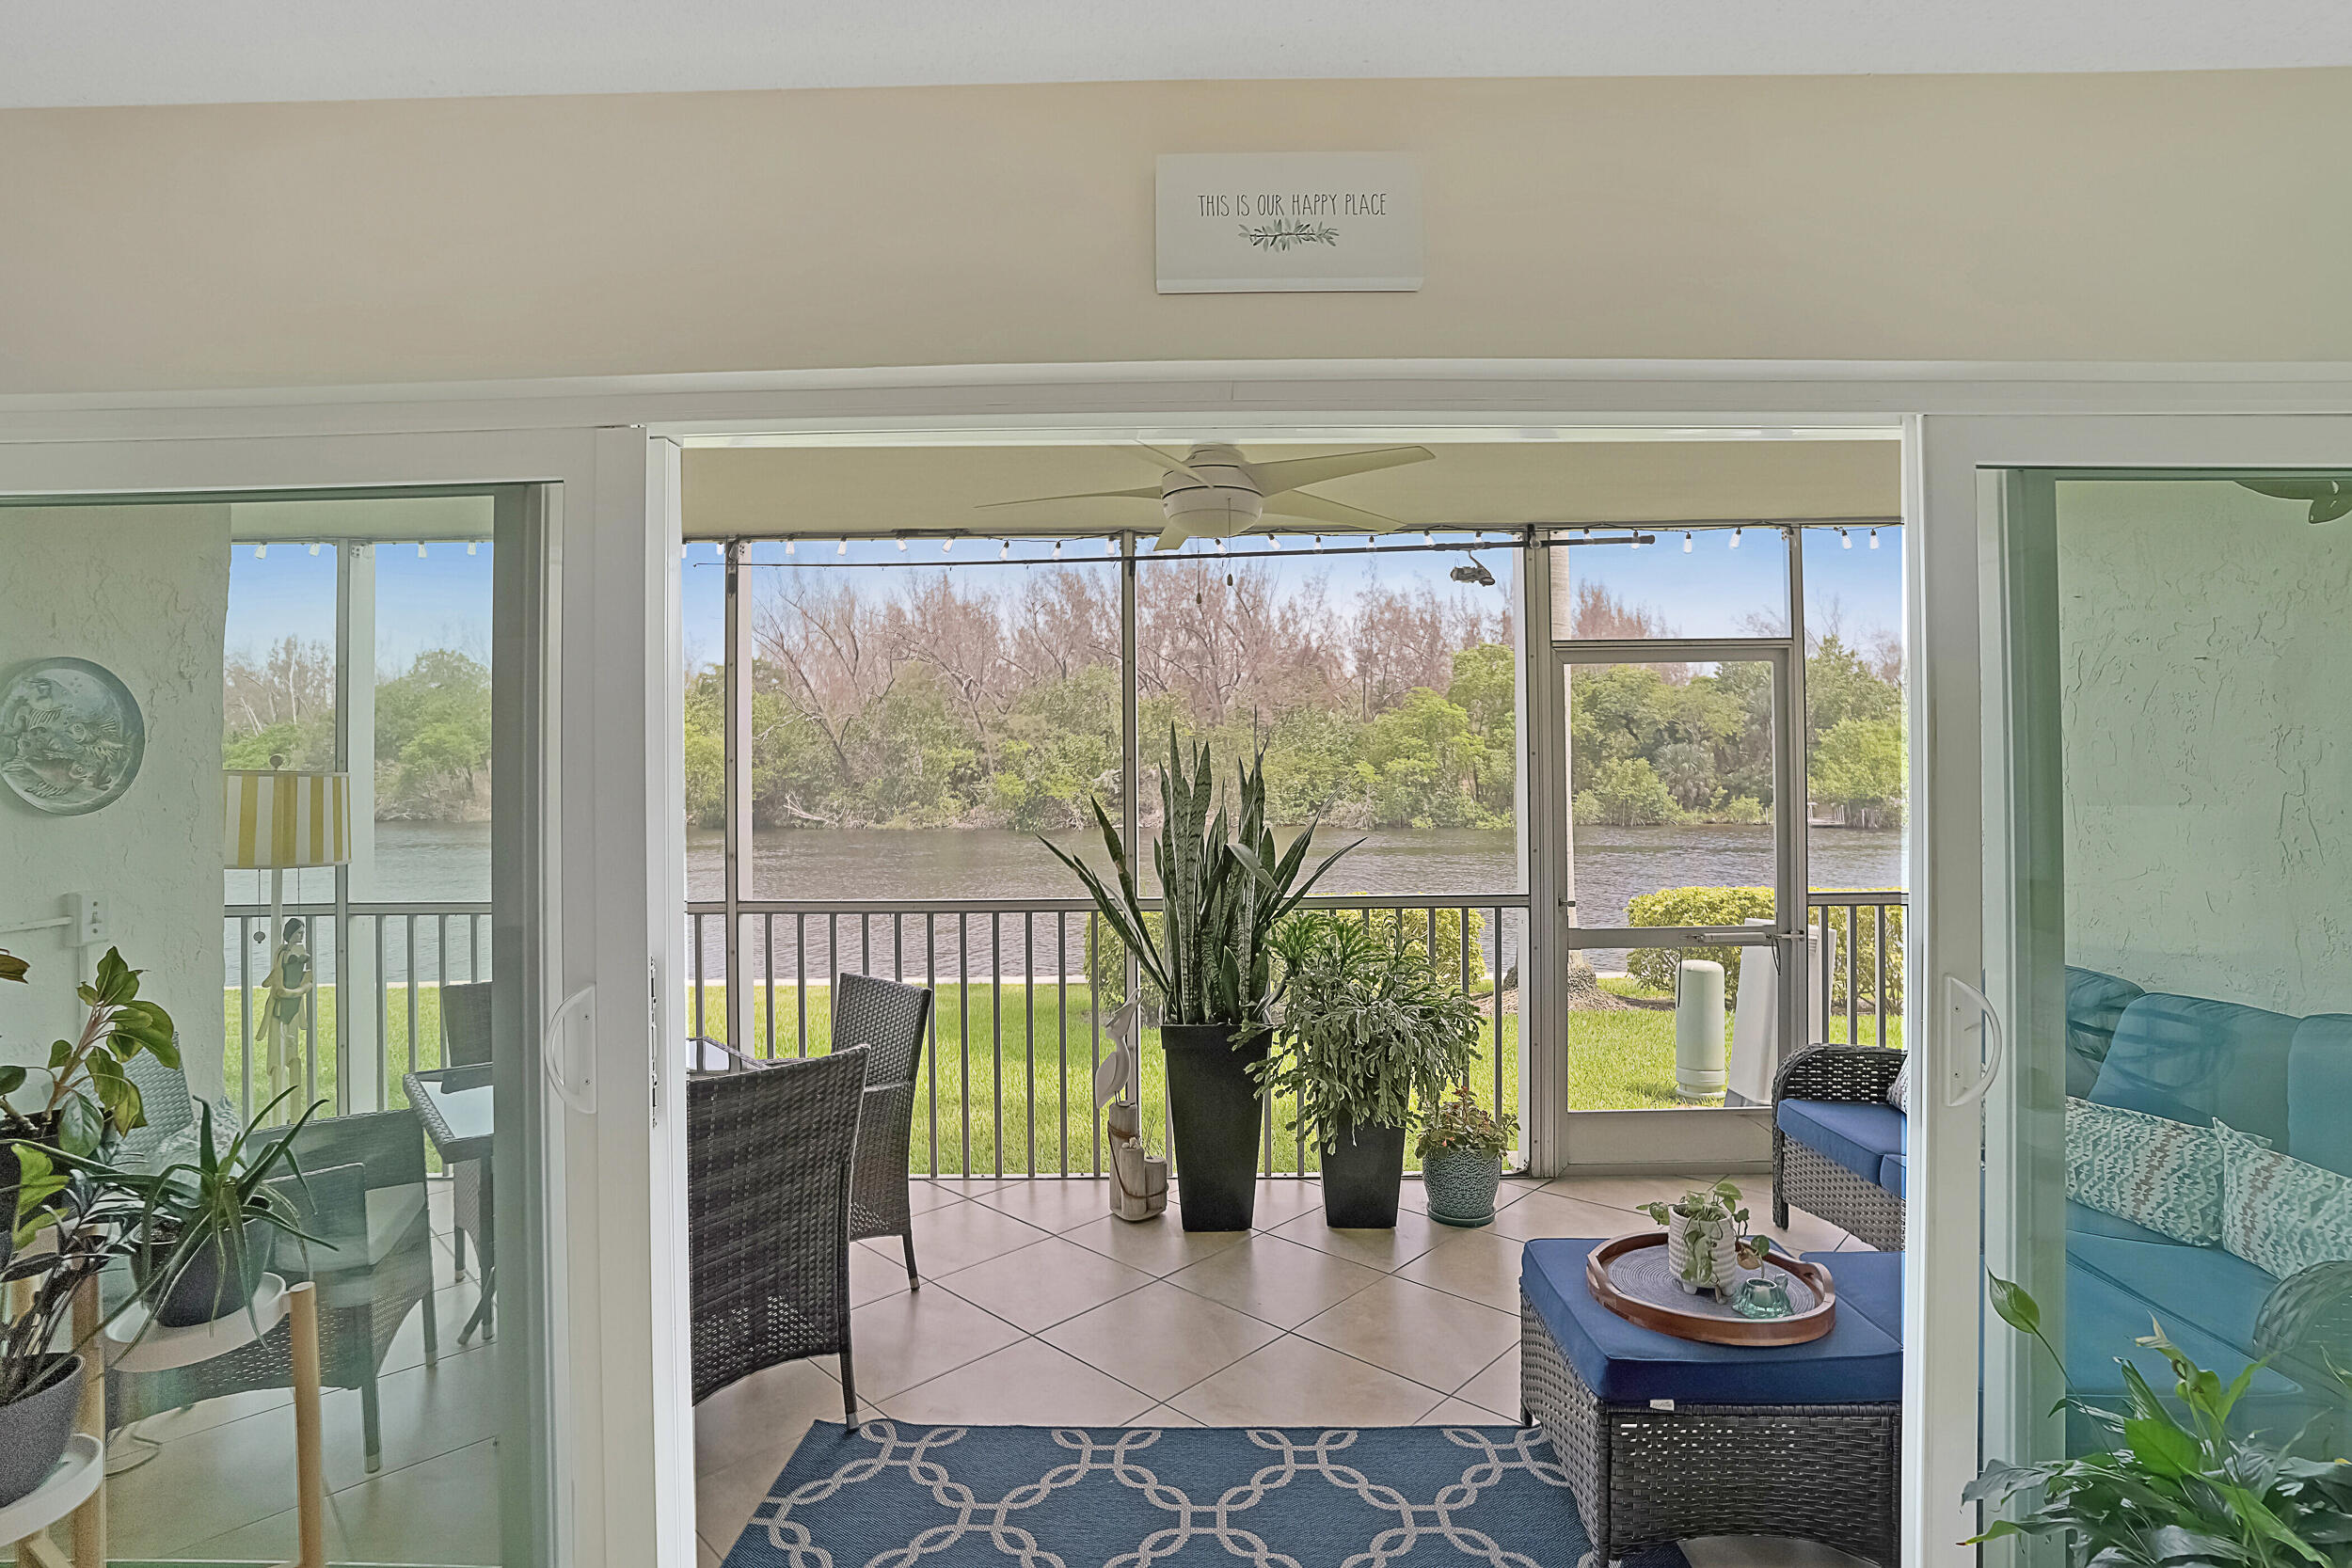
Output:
x,y
430,862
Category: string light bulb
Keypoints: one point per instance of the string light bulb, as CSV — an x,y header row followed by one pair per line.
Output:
x,y
261,552
1845,540
314,546
841,548
902,545
469,548
1874,538
791,547
1057,549
947,545
1318,541
1004,550
1220,546
1686,541
1429,539
681,550
1110,545
1735,537
1273,542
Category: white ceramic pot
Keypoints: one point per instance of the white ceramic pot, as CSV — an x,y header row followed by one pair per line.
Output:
x,y
1703,1254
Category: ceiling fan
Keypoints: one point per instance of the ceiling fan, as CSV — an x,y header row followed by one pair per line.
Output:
x,y
1213,492
2331,499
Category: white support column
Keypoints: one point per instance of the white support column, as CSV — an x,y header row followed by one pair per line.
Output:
x,y
360,1070
1544,818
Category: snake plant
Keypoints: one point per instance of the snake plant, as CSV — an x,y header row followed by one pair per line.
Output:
x,y
1222,888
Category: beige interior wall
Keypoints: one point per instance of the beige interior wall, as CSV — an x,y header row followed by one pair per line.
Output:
x,y
2111,217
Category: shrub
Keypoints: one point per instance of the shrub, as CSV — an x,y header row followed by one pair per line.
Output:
x,y
1654,967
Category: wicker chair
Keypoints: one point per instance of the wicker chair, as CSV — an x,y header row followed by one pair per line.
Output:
x,y
465,1042
890,1021
769,1156
361,1192
1812,1180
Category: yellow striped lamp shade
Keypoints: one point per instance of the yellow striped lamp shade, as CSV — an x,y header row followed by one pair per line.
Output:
x,y
279,820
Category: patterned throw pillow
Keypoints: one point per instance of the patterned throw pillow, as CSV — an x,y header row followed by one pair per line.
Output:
x,y
2279,1213
1898,1092
2163,1174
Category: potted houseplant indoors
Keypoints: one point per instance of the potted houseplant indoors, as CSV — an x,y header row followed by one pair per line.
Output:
x,y
204,1226
1707,1238
80,1225
1462,1148
82,1098
2174,1491
1367,1032
1222,892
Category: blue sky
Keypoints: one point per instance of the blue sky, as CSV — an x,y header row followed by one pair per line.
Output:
x,y
440,601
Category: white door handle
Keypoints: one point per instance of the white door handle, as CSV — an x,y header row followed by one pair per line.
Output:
x,y
568,1050
1959,996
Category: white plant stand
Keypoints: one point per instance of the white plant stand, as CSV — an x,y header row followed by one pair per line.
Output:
x,y
133,1344
73,1483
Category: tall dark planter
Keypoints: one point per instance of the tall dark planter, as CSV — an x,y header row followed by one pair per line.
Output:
x,y
204,1292
1362,1174
1217,1111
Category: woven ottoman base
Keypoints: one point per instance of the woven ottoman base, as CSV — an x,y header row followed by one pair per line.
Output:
x,y
1644,1477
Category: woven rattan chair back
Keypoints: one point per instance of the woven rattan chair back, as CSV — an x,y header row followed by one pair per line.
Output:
x,y
465,1023
890,1021
769,1156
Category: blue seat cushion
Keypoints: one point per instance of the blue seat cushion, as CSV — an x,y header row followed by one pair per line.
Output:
x,y
2216,1293
2188,1059
1857,1135
1895,1175
2319,1087
1856,1363
1871,1283
2102,1319
2095,1004
2082,1219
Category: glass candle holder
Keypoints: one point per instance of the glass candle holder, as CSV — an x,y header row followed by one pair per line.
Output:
x,y
1764,1296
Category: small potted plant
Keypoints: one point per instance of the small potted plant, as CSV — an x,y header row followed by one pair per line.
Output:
x,y
82,1098
81,1224
204,1226
2172,1490
1462,1148
1367,1032
1707,1238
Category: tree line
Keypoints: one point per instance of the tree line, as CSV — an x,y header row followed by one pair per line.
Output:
x,y
432,724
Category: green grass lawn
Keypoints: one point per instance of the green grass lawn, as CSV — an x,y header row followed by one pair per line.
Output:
x,y
1021,1058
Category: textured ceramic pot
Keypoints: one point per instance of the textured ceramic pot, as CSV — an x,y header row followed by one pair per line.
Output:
x,y
1703,1254
1461,1185
35,1430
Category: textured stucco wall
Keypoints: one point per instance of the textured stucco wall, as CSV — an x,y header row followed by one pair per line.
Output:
x,y
143,590
2205,635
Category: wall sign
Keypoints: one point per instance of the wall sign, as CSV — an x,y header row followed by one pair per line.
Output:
x,y
1288,222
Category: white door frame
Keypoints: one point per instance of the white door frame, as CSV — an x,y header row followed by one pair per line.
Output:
x,y
614,1222
1959,890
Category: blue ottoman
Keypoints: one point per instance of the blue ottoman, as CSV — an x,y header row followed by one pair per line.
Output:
x,y
1664,1439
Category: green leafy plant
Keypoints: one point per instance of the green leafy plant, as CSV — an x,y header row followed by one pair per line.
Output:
x,y
86,1224
1368,1031
1712,1206
212,1204
87,1096
1222,893
2175,1494
1459,1125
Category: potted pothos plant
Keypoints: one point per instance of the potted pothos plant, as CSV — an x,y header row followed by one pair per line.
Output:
x,y
1462,1147
1367,1034
1707,1238
2175,1491
82,1098
1223,888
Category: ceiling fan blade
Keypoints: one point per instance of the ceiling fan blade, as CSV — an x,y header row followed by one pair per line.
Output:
x,y
1171,537
1151,494
1168,462
2337,505
2294,489
1290,474
1298,503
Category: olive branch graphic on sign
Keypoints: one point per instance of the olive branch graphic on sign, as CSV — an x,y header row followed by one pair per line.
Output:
x,y
1285,234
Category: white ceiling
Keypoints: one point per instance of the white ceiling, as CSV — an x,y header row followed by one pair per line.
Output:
x,y
115,52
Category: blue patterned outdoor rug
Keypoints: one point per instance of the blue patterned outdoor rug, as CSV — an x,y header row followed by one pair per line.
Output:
x,y
891,1495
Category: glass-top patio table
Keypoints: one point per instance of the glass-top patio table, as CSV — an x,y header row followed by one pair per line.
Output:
x,y
457,1107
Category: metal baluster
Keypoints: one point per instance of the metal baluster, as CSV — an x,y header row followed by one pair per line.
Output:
x,y
800,975
245,1010
997,1027
1881,966
768,946
310,1038
383,1022
440,977
1029,1032
963,1028
1498,1011
411,949
1061,1011
899,946
1854,967
698,983
473,947
1094,1062
930,1025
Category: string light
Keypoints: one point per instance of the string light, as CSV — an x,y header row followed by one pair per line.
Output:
x,y
314,546
1686,541
1220,546
1874,538
469,548
1588,534
681,550
1057,549
842,548
947,545
902,545
791,547
261,552
1735,537
1273,542
1004,550
1845,540
1110,545
1318,541
1429,539
1635,541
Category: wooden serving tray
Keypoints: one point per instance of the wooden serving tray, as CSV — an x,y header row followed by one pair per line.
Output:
x,y
1710,1323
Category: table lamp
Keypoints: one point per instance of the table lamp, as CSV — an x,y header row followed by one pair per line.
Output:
x,y
276,820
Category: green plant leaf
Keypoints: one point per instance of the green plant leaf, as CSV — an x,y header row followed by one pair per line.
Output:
x,y
2163,1447
2015,1304
11,1077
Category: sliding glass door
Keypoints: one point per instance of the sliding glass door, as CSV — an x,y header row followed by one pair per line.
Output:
x,y
2141,1049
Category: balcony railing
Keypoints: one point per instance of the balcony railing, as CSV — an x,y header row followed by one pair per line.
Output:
x,y
1025,990
402,953
1862,988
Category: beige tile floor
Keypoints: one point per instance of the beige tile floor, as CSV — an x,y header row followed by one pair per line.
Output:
x,y
1038,1307
220,1486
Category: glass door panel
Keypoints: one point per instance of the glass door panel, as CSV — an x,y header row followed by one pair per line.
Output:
x,y
2169,1141
175,678
1676,857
